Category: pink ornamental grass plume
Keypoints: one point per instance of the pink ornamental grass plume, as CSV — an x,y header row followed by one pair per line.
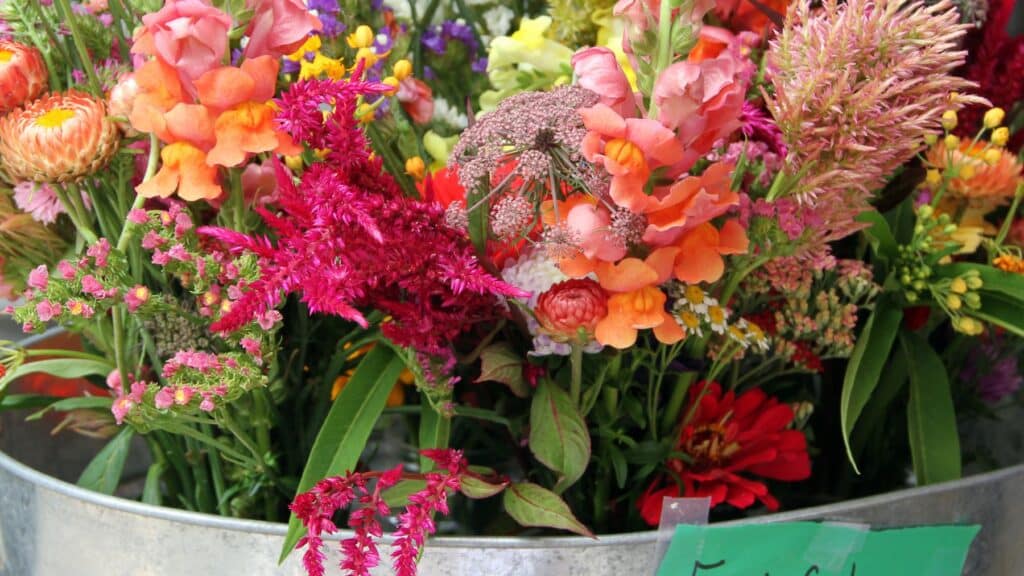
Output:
x,y
857,85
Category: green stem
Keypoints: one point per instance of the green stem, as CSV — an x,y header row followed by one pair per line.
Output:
x,y
1005,228
576,363
218,477
675,402
42,45
664,55
118,321
80,47
83,226
151,164
735,279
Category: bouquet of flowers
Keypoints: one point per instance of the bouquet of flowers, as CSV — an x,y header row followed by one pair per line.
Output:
x,y
338,262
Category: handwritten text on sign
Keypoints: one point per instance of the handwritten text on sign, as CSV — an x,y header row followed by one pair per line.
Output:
x,y
813,549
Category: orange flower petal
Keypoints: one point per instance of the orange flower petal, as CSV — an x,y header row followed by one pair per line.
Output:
x,y
263,71
733,239
225,87
612,331
183,167
577,266
191,123
602,119
626,276
669,331
286,145
247,128
161,185
699,260
662,261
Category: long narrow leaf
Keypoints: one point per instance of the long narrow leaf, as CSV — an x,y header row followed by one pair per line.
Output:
x,y
434,432
347,428
866,363
103,474
931,418
67,368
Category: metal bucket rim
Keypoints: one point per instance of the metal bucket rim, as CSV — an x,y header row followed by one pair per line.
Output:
x,y
837,511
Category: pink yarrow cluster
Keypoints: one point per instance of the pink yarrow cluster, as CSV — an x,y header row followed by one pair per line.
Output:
x,y
316,508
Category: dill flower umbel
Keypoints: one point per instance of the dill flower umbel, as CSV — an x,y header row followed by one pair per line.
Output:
x,y
58,138
856,89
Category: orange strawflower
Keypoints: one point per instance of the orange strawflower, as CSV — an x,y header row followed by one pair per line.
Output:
x,y
1009,263
22,74
58,138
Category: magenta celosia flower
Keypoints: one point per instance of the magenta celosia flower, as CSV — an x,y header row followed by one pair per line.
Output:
x,y
347,238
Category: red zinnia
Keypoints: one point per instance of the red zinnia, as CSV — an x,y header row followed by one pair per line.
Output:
x,y
726,436
570,310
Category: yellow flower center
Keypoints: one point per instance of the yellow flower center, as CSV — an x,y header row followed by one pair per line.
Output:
x,y
55,118
179,396
626,154
690,320
709,446
694,294
716,314
6,55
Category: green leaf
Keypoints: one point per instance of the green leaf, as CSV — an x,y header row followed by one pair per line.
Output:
x,y
76,403
477,488
26,401
558,435
931,418
477,219
66,368
1000,310
619,466
993,279
435,430
398,495
866,363
104,472
531,505
500,363
347,428
872,418
151,490
879,234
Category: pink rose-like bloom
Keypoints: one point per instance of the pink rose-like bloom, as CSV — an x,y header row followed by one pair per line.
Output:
x,y
597,70
136,297
122,97
417,99
592,226
278,27
259,183
189,35
207,404
47,310
39,277
571,307
164,399
702,101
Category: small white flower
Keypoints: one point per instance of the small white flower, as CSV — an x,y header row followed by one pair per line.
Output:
x,y
448,114
499,20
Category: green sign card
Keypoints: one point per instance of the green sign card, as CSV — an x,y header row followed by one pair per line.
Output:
x,y
813,549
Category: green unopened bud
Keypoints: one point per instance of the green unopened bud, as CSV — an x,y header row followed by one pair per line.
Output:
x,y
918,229
906,279
973,300
974,282
919,285
911,296
925,211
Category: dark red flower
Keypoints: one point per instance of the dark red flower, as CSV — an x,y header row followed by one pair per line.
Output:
x,y
729,438
570,310
996,64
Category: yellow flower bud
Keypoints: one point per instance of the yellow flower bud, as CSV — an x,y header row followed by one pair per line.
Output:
x,y
925,212
967,171
933,178
993,118
1000,136
293,162
992,156
954,302
361,38
949,119
415,167
403,69
930,139
951,142
393,82
958,286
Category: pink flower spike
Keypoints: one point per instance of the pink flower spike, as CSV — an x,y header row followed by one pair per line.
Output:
x,y
164,398
39,277
138,216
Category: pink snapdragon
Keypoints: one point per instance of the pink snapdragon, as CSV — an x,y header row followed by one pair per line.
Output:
x,y
598,70
278,27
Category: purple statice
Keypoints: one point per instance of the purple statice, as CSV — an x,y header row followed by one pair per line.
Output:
x,y
437,38
479,65
347,238
992,371
328,11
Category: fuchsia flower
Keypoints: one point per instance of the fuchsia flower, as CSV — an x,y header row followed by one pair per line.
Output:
x,y
278,27
136,297
191,36
598,70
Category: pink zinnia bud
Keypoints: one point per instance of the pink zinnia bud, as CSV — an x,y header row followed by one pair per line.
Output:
x,y
39,277
572,307
136,297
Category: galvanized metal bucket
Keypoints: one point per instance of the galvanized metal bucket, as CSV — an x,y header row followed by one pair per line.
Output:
x,y
49,527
